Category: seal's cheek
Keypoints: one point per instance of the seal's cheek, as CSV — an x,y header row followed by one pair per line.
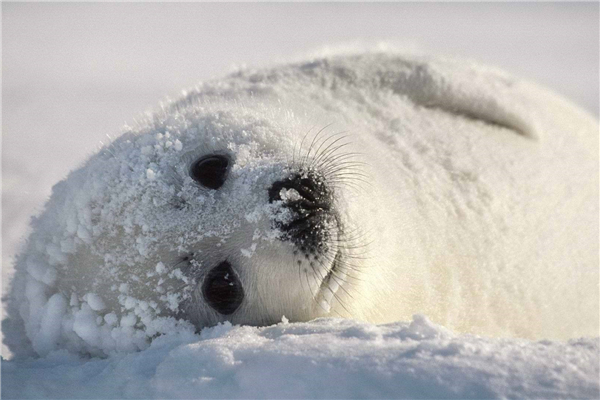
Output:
x,y
222,289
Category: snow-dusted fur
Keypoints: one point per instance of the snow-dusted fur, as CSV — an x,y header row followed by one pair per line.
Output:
x,y
463,193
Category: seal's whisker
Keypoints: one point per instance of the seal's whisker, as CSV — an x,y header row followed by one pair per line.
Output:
x,y
340,302
349,166
353,247
176,265
346,266
313,296
351,177
341,282
318,153
300,276
306,157
300,149
181,287
332,148
342,183
323,158
328,287
333,158
343,177
338,297
338,159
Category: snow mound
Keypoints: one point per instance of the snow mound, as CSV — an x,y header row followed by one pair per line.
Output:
x,y
325,358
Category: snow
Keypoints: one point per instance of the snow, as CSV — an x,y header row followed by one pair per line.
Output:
x,y
325,358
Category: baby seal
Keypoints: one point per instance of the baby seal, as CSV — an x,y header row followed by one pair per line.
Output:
x,y
370,186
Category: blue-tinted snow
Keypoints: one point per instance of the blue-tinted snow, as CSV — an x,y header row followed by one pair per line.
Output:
x,y
326,358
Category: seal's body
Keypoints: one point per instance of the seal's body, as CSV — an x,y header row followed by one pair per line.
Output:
x,y
371,186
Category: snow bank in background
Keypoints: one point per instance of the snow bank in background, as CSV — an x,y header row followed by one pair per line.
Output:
x,y
325,358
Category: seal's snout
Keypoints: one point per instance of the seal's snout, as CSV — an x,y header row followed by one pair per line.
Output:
x,y
304,191
222,289
308,198
301,192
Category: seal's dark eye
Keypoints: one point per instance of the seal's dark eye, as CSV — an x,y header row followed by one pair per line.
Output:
x,y
222,289
210,171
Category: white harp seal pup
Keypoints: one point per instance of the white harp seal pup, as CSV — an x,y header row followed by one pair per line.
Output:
x,y
369,186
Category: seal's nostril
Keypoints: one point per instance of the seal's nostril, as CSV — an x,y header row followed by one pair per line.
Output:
x,y
222,289
310,189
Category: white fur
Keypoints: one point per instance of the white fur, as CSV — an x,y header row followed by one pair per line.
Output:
x,y
477,204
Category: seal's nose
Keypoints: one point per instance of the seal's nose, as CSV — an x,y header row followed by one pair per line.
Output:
x,y
310,192
222,289
309,199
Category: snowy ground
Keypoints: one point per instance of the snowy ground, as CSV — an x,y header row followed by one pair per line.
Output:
x,y
326,358
75,73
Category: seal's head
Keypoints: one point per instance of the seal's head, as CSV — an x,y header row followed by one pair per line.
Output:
x,y
278,259
203,213
275,245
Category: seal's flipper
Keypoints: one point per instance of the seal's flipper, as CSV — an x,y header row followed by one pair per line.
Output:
x,y
480,93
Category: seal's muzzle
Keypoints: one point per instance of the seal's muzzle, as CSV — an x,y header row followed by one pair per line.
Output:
x,y
308,198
